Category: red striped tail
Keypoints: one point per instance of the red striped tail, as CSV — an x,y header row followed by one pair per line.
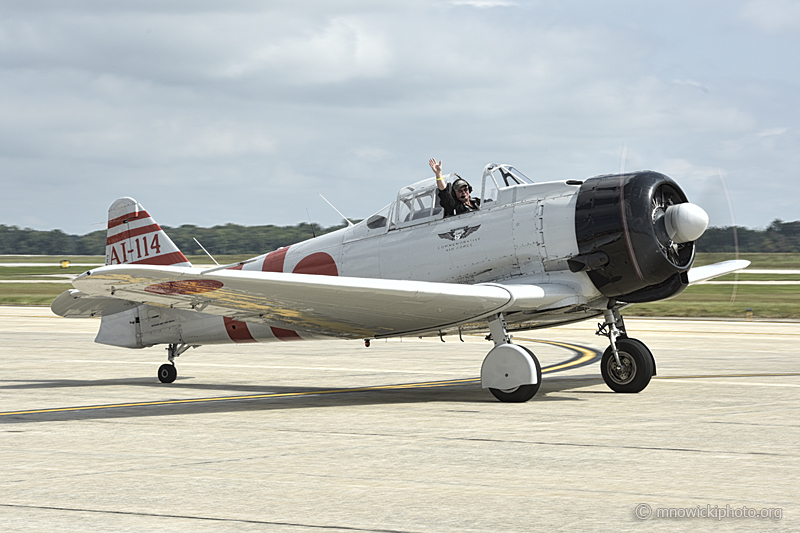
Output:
x,y
134,238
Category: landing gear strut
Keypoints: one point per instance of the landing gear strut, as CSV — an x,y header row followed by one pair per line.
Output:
x,y
511,373
627,364
167,372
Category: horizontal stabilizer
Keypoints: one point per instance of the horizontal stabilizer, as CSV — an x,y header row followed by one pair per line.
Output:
x,y
76,304
716,270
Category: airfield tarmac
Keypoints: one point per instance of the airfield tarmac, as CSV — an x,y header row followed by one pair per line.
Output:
x,y
334,436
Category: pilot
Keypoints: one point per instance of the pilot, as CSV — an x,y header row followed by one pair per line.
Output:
x,y
453,197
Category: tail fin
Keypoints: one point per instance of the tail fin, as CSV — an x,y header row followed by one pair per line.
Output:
x,y
134,238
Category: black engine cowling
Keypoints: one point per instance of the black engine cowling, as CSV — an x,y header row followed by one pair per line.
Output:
x,y
622,237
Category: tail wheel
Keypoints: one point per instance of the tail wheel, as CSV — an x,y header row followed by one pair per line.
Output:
x,y
167,373
523,393
636,366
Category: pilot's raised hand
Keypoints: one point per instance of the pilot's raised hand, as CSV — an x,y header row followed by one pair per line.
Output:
x,y
437,169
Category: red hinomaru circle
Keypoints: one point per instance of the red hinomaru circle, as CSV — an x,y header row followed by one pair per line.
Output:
x,y
185,286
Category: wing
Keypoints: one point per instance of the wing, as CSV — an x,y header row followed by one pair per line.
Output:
x,y
328,305
703,273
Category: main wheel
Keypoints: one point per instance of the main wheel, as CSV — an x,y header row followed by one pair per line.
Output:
x,y
167,373
523,393
636,370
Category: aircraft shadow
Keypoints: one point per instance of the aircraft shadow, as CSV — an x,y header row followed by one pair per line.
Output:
x,y
149,382
293,397
183,381
309,397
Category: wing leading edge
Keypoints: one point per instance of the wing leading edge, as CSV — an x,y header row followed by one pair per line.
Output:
x,y
327,305
703,273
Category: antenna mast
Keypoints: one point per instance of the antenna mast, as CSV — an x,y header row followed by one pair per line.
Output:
x,y
334,208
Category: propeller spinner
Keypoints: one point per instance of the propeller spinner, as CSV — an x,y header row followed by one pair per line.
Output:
x,y
685,222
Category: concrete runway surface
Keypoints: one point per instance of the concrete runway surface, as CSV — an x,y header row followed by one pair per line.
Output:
x,y
296,437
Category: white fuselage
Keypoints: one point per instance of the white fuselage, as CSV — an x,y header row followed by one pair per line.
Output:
x,y
527,233
524,234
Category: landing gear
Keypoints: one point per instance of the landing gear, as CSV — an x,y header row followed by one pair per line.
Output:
x,y
523,393
510,372
167,373
634,370
627,364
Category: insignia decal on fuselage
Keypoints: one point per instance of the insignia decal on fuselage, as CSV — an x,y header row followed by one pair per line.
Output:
x,y
457,234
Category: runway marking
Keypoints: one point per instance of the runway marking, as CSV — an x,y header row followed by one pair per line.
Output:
x,y
749,283
749,383
195,364
195,517
62,281
586,355
697,379
248,397
426,384
780,374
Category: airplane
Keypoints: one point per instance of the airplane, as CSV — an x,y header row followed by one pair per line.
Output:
x,y
535,255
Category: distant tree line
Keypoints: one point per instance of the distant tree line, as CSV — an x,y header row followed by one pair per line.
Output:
x,y
232,239
779,236
223,240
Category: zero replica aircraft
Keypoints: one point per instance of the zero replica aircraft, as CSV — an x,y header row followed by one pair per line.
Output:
x,y
535,255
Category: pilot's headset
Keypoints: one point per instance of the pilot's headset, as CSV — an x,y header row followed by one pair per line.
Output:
x,y
460,182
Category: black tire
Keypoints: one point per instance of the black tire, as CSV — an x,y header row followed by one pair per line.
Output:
x,y
167,373
637,363
646,349
523,393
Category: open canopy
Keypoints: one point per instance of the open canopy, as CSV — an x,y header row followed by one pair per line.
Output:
x,y
419,202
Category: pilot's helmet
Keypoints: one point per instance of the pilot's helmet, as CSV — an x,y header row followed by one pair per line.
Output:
x,y
460,183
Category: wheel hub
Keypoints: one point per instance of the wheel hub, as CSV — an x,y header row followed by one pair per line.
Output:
x,y
622,374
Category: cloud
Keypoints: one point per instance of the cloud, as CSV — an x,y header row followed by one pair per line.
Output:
x,y
773,15
245,111
692,83
343,49
772,132
483,4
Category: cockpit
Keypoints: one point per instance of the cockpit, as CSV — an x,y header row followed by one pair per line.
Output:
x,y
419,202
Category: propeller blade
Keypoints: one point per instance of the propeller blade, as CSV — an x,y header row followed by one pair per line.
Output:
x,y
735,233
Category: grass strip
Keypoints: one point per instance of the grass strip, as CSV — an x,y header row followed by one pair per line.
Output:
x,y
704,300
765,301
30,293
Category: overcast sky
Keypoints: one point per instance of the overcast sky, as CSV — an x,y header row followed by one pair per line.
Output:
x,y
217,112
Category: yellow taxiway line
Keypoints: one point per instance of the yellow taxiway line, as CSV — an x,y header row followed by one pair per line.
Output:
x,y
586,354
